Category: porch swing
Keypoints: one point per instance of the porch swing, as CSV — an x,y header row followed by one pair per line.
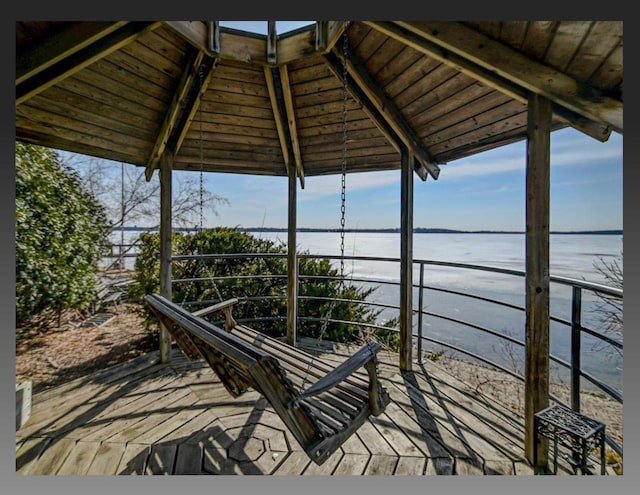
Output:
x,y
322,403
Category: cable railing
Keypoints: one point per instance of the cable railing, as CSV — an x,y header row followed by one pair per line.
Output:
x,y
571,364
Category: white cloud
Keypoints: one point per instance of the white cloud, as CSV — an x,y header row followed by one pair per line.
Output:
x,y
328,185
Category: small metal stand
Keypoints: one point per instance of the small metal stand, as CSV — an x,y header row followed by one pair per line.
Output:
x,y
574,431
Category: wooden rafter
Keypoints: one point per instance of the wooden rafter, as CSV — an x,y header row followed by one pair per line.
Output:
x,y
192,104
272,43
74,38
277,115
509,71
392,115
291,120
335,66
188,79
38,78
328,33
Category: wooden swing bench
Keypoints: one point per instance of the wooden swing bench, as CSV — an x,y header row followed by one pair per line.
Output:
x,y
337,401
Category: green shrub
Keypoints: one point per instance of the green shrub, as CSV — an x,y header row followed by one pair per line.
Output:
x,y
61,233
265,298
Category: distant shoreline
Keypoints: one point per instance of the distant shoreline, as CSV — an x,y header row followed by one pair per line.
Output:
x,y
417,230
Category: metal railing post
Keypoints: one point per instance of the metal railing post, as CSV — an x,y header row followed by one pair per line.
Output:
x,y
420,301
576,325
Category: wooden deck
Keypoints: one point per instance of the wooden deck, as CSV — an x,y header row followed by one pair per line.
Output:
x,y
177,418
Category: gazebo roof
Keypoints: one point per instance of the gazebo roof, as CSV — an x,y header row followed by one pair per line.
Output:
x,y
231,101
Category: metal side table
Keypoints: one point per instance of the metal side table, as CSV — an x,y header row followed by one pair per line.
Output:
x,y
572,430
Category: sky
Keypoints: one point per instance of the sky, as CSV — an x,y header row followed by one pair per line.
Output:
x,y
482,192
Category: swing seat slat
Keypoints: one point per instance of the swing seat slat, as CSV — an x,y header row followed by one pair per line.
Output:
x,y
322,403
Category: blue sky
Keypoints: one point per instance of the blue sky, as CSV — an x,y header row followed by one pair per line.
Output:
x,y
485,191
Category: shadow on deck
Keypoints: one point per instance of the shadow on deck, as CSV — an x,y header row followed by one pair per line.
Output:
x,y
149,418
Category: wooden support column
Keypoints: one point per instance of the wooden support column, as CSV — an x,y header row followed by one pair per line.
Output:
x,y
536,393
292,261
406,258
166,165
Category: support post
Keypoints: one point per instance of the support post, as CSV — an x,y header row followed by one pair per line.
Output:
x,y
166,165
292,261
406,258
576,332
537,273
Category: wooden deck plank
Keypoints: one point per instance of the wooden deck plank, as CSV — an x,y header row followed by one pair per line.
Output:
x,y
440,466
354,445
454,412
82,415
80,458
172,421
294,464
217,462
327,466
499,467
466,466
145,431
188,459
28,453
190,429
134,459
407,436
130,415
107,458
439,442
410,466
374,440
53,457
351,464
161,460
381,465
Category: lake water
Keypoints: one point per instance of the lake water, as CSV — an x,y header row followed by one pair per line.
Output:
x,y
571,255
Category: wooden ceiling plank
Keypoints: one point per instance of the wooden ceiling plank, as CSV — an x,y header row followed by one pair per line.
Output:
x,y
77,60
282,138
595,129
291,119
390,113
187,80
72,39
520,70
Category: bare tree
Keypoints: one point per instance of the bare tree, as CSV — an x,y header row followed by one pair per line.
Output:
x,y
609,309
130,199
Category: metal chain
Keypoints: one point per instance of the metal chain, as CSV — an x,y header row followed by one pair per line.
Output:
x,y
201,154
343,188
201,229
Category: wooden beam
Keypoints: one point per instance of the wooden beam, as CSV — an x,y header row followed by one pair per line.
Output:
x,y
272,43
292,262
537,270
214,37
327,34
335,65
390,112
72,39
406,259
277,115
166,165
291,120
189,77
192,104
70,61
505,69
